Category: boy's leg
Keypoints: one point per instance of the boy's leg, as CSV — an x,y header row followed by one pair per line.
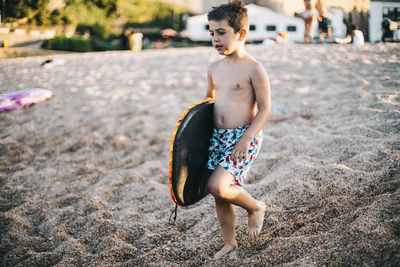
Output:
x,y
221,187
226,219
225,211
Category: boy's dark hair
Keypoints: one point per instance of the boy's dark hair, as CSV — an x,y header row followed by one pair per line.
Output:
x,y
235,13
353,27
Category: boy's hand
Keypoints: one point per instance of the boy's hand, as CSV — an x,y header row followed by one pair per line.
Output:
x,y
240,150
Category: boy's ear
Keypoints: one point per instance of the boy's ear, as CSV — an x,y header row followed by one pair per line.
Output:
x,y
242,34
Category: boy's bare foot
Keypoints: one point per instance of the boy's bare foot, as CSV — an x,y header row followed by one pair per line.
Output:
x,y
255,221
225,251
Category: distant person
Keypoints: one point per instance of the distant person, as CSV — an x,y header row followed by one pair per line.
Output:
x,y
309,17
239,85
136,40
388,28
357,37
324,24
146,42
386,32
125,42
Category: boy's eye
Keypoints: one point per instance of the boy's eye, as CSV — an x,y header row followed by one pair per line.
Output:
x,y
221,33
211,33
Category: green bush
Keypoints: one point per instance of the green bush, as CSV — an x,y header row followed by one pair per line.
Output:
x,y
76,44
99,45
97,30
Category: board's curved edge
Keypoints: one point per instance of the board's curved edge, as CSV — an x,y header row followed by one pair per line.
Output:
x,y
171,150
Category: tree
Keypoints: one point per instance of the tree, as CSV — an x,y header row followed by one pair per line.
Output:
x,y
109,5
17,9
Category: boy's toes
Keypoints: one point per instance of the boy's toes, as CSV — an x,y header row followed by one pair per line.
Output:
x,y
255,221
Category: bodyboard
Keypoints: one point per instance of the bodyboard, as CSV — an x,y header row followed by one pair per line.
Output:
x,y
23,99
188,174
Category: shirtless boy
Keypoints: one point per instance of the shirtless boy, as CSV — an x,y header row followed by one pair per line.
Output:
x,y
240,87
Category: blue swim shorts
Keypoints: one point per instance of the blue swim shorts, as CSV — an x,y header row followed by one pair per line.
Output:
x,y
222,143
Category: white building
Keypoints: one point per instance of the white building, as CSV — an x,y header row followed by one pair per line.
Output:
x,y
264,23
380,10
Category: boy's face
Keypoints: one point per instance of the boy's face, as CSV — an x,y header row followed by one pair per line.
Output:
x,y
224,38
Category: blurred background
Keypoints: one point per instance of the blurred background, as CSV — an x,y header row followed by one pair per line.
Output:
x,y
98,25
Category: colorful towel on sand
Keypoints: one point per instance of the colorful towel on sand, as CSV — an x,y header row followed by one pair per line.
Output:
x,y
23,99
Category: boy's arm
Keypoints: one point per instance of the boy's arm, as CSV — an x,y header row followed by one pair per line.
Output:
x,y
262,90
210,85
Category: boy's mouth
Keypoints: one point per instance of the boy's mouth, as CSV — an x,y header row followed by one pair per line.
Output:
x,y
218,46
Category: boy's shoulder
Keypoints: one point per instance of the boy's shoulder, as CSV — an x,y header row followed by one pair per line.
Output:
x,y
248,60
217,62
253,60
215,65
254,66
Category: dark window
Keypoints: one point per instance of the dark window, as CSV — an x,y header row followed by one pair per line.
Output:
x,y
207,27
252,27
392,13
291,28
270,28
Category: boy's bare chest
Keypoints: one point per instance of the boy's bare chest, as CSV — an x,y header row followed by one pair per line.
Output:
x,y
230,79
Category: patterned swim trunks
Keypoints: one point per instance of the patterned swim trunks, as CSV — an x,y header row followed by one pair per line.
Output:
x,y
222,143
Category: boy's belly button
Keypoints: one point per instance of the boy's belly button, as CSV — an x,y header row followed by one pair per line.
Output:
x,y
220,121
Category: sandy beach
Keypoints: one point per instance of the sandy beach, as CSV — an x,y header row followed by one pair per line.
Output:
x,y
84,176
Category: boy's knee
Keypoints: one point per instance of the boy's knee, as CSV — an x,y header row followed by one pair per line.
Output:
x,y
216,190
